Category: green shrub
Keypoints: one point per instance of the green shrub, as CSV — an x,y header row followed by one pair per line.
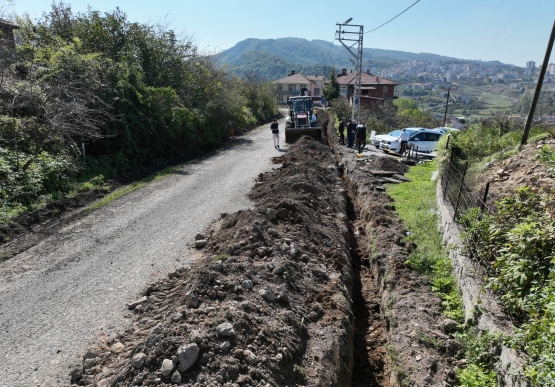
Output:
x,y
547,156
475,376
517,246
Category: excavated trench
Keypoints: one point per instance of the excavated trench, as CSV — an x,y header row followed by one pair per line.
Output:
x,y
370,359
308,289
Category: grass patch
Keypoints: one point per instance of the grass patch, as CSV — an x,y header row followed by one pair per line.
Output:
x,y
397,367
415,202
133,187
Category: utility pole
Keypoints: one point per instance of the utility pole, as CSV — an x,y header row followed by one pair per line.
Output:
x,y
347,36
538,90
447,104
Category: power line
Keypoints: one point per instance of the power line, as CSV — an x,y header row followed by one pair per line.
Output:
x,y
334,36
493,17
510,17
393,17
520,25
327,56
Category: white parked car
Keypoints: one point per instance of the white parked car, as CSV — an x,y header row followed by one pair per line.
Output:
x,y
444,129
377,139
425,139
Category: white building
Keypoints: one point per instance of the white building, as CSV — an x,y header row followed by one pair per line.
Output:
x,y
530,68
294,83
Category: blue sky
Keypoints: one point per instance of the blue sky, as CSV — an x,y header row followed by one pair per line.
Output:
x,y
512,31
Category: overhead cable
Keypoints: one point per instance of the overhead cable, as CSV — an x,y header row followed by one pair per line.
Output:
x,y
393,17
507,22
520,25
481,37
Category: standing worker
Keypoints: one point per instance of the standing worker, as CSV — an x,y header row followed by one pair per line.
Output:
x,y
275,133
361,137
351,131
403,140
342,131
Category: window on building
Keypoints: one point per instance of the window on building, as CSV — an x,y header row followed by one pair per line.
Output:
x,y
343,90
385,89
292,87
316,91
280,87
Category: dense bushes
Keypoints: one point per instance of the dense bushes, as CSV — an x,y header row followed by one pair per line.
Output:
x,y
492,136
517,245
132,93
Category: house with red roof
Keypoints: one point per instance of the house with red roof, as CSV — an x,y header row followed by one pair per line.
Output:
x,y
373,89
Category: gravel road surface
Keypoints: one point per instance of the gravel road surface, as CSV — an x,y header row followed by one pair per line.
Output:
x,y
71,288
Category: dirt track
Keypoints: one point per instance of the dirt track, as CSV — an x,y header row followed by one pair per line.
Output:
x,y
70,289
295,297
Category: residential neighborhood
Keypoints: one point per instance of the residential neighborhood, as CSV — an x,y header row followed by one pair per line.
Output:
x,y
374,89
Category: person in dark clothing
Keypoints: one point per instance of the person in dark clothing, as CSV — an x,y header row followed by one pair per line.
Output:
x,y
342,131
351,131
361,137
275,133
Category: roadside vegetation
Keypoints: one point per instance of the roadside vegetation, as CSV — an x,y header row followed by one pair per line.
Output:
x,y
134,94
415,202
515,244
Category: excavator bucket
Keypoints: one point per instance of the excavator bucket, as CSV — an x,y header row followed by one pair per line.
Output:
x,y
292,134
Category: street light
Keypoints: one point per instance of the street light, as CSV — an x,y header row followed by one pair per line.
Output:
x,y
348,20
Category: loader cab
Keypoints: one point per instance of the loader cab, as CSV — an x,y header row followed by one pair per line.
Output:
x,y
300,111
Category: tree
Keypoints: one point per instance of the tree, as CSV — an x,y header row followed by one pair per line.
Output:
x,y
405,103
340,107
331,91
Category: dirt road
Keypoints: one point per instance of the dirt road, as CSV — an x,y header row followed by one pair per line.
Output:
x,y
71,288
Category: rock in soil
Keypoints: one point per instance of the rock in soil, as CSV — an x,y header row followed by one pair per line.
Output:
x,y
300,333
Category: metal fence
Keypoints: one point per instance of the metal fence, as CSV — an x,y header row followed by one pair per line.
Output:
x,y
457,190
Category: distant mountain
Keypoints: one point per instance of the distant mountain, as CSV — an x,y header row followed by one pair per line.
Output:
x,y
269,66
273,58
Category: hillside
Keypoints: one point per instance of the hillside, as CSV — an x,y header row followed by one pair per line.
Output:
x,y
314,54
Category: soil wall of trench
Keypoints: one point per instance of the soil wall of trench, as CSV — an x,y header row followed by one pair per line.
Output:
x,y
307,289
419,347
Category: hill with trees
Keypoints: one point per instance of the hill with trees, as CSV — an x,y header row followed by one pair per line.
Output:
x,y
302,54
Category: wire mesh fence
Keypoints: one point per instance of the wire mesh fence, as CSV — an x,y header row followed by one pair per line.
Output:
x,y
456,189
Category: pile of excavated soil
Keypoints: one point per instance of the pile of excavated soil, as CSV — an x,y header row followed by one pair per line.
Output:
x,y
522,169
269,305
392,297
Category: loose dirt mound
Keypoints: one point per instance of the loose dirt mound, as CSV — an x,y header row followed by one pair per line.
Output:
x,y
270,306
388,164
519,170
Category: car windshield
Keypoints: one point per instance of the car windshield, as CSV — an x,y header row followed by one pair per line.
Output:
x,y
395,132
